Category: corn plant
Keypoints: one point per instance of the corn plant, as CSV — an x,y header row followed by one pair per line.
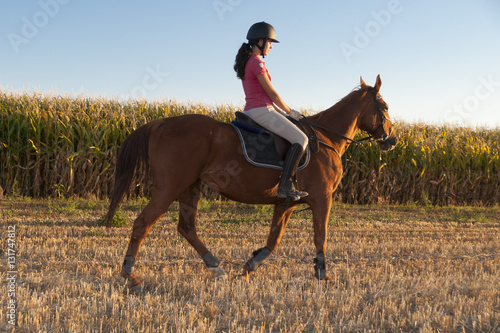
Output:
x,y
54,146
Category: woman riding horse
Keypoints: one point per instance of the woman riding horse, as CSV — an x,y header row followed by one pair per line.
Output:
x,y
261,99
187,151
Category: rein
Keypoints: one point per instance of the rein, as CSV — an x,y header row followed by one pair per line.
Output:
x,y
314,138
370,138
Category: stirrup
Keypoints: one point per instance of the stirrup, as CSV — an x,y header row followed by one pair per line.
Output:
x,y
294,195
291,192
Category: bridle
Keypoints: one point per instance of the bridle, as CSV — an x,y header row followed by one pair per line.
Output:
x,y
383,118
370,138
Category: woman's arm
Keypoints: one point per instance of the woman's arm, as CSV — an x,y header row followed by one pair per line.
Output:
x,y
272,93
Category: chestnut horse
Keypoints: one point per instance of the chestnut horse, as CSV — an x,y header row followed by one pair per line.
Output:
x,y
185,151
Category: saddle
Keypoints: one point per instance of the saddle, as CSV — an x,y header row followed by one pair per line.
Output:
x,y
261,147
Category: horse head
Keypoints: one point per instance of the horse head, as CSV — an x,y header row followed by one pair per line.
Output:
x,y
375,118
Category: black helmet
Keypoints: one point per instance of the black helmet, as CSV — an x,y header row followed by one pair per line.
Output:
x,y
262,30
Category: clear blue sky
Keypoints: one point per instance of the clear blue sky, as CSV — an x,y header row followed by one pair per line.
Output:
x,y
439,60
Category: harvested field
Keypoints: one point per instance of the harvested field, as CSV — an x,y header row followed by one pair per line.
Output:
x,y
394,269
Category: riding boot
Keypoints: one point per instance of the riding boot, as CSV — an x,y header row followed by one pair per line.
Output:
x,y
286,187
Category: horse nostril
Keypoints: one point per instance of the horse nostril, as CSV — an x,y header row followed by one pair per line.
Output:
x,y
388,144
391,140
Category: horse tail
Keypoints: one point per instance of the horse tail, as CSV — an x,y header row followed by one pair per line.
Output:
x,y
133,153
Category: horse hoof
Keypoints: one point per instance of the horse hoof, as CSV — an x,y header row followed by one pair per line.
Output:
x,y
246,273
132,282
217,272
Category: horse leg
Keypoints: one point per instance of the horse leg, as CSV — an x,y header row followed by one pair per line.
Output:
x,y
188,209
280,219
154,210
321,213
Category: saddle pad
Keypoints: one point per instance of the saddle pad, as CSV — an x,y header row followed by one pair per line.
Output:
x,y
259,148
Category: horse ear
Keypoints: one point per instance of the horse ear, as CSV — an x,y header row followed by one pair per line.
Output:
x,y
362,82
377,84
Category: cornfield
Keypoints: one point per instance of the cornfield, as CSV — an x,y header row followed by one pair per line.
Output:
x,y
52,146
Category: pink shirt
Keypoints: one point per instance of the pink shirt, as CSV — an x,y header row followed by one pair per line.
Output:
x,y
255,96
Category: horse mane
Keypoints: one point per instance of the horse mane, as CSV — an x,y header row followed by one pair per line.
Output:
x,y
357,93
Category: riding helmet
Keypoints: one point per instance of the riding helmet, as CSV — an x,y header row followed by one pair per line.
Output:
x,y
262,30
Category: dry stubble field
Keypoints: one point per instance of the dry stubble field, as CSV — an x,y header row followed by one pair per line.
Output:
x,y
393,269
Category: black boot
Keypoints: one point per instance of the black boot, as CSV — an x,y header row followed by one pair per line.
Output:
x,y
286,188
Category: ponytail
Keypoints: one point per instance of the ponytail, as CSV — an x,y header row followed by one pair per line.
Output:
x,y
241,59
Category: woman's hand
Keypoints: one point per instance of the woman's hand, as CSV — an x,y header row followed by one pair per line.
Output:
x,y
295,114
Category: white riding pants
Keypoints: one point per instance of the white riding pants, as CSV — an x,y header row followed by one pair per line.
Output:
x,y
276,122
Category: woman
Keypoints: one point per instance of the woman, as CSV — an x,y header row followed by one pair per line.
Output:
x,y
262,102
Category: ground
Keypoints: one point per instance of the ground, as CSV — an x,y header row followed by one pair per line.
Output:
x,y
393,268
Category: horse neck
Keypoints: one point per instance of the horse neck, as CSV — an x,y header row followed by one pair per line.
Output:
x,y
342,118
